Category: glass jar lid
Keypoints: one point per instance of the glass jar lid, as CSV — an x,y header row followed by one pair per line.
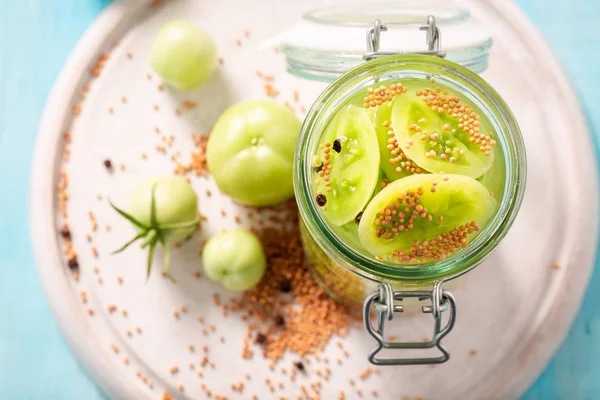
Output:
x,y
328,42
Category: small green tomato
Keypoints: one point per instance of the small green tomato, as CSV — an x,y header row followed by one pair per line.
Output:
x,y
183,54
235,259
164,210
250,152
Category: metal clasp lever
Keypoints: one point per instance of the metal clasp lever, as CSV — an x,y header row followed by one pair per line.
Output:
x,y
384,302
433,40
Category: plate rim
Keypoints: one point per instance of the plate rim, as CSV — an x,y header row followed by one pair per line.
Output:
x,y
57,115
553,327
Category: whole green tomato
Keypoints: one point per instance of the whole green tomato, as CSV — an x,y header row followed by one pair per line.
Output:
x,y
235,259
250,152
176,203
183,54
164,210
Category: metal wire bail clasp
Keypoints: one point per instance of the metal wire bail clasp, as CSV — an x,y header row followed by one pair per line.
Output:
x,y
434,37
384,302
433,40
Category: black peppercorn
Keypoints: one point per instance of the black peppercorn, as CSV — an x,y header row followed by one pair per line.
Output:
x,y
299,365
108,163
358,217
261,338
65,232
337,145
279,320
73,263
285,286
321,199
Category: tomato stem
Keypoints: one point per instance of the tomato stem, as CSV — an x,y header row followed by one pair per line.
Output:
x,y
126,245
150,238
150,258
154,233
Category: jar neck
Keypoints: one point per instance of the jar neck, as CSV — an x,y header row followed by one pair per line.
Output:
x,y
399,67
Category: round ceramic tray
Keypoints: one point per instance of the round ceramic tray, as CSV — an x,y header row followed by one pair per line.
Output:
x,y
513,311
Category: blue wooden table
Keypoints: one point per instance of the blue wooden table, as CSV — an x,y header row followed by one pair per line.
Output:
x,y
35,38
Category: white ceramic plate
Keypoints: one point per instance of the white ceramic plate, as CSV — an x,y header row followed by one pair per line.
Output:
x,y
514,310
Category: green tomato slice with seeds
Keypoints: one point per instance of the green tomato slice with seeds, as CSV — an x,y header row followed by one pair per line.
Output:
x,y
250,152
394,162
455,139
235,259
350,155
420,208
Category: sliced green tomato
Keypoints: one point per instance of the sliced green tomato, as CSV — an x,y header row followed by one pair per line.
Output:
x,y
390,164
349,234
354,170
457,199
371,112
465,158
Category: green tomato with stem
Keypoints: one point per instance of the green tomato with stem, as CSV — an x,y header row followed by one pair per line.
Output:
x,y
250,152
164,210
235,259
183,54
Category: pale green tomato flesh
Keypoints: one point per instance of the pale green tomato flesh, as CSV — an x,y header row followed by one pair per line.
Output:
x,y
250,152
451,152
383,124
355,168
459,200
235,259
175,201
183,54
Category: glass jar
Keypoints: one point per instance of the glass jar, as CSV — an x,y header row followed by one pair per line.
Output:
x,y
352,277
329,42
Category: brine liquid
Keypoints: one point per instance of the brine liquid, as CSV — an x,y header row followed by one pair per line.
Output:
x,y
493,178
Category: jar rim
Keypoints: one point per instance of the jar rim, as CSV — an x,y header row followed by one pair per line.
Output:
x,y
490,236
363,15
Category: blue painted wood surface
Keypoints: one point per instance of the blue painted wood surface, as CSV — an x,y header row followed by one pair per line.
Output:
x,y
36,36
